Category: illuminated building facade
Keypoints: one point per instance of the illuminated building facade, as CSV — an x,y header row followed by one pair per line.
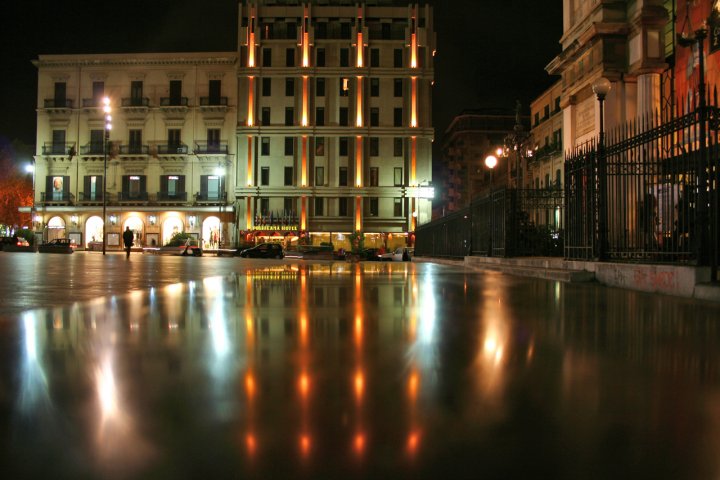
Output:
x,y
470,137
334,115
546,164
170,154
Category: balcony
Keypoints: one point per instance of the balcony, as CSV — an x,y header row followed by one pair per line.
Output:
x,y
57,198
132,196
61,149
95,197
172,196
136,102
52,103
205,148
134,150
174,101
92,103
211,197
92,149
175,149
213,101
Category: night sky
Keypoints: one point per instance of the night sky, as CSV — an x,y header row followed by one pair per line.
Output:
x,y
490,52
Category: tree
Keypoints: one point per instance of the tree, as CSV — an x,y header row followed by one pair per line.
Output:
x,y
15,187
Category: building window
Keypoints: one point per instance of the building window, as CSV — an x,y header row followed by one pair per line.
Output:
x,y
136,93
320,146
319,204
343,144
321,30
320,57
344,57
135,141
267,57
266,87
374,57
343,177
374,87
291,30
374,146
265,146
98,92
320,87
343,210
93,187
213,140
175,92
265,176
265,116
398,117
546,112
214,92
398,87
398,58
320,116
344,119
374,210
97,144
397,176
537,118
289,116
374,176
288,206
374,117
319,176
264,206
398,147
173,139
289,87
289,146
344,87
557,104
398,207
288,176
290,57
345,30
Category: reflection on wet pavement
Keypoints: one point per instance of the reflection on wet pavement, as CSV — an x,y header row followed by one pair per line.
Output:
x,y
364,370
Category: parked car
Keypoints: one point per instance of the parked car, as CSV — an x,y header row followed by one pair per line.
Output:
x,y
402,254
371,254
184,248
58,245
15,244
263,250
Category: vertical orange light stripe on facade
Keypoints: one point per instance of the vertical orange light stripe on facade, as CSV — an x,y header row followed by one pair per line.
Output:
x,y
248,213
251,102
359,49
413,218
358,161
250,162
304,163
359,108
413,161
306,50
413,50
413,104
358,214
251,50
305,102
303,213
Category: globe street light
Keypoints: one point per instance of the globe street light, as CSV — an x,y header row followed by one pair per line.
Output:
x,y
106,141
491,162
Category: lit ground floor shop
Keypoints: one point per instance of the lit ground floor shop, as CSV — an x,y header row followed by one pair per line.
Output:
x,y
212,228
291,239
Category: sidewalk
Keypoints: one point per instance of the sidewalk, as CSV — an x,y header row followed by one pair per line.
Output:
x,y
676,280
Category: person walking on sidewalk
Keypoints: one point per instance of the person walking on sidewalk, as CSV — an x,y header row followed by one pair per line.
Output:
x,y
128,240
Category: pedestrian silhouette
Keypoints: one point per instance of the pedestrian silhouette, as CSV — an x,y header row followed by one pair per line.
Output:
x,y
128,241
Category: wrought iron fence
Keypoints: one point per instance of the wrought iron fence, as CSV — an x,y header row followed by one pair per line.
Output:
x,y
504,223
650,193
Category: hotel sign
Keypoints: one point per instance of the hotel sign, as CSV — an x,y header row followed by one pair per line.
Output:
x,y
283,228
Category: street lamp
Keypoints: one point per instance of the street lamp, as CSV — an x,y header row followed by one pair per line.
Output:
x,y
601,87
491,162
516,141
106,141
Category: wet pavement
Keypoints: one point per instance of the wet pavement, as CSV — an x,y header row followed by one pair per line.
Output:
x,y
167,367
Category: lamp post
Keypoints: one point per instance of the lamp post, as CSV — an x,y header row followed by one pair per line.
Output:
x,y
601,87
491,162
30,168
106,141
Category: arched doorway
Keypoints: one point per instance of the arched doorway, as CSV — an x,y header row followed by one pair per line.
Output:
x,y
93,230
138,228
56,228
171,226
211,232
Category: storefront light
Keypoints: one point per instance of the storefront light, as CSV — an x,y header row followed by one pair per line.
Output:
x,y
152,219
113,219
74,219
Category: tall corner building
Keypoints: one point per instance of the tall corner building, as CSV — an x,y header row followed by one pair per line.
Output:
x,y
317,126
334,120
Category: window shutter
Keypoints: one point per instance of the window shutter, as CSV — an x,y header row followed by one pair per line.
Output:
x,y
164,183
203,186
125,184
181,184
143,184
66,185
